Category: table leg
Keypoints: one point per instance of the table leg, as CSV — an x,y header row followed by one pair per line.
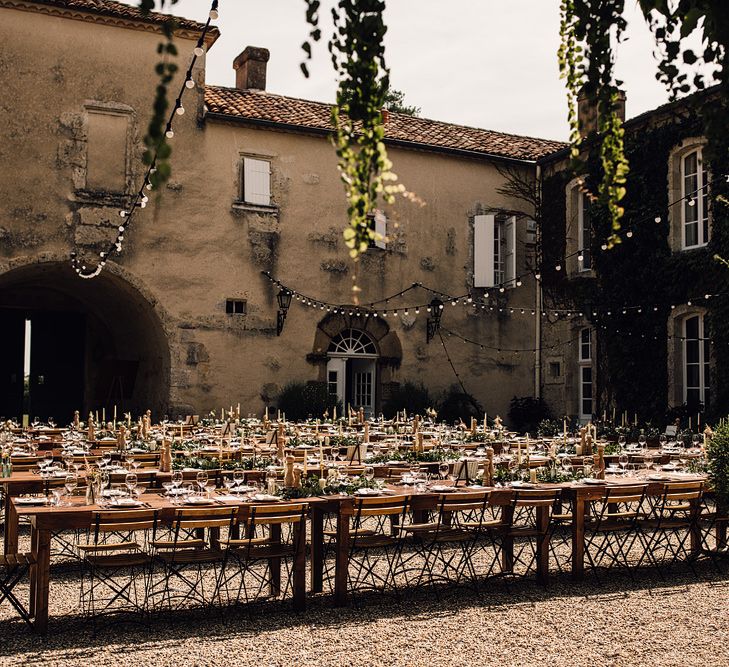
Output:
x,y
341,573
11,527
543,516
317,550
274,564
42,578
299,567
578,539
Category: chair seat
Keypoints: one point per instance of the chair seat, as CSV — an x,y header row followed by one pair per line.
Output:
x,y
263,551
374,541
243,542
14,560
359,532
112,546
192,543
626,514
490,524
562,517
190,556
420,527
119,561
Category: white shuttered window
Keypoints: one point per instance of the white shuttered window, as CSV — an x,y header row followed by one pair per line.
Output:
x,y
256,181
494,251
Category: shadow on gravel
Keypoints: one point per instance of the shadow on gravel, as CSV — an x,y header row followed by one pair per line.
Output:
x,y
70,637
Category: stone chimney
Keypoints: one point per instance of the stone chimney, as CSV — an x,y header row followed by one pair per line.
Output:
x,y
250,68
587,111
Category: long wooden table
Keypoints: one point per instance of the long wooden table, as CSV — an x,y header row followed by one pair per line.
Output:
x,y
45,520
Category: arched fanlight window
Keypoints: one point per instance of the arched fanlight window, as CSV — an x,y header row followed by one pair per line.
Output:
x,y
352,342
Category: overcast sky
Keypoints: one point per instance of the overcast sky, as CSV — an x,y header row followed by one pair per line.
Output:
x,y
484,63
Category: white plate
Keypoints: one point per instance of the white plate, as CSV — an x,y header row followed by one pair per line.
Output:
x,y
262,497
126,502
196,500
522,485
590,480
112,493
31,501
442,488
366,492
658,478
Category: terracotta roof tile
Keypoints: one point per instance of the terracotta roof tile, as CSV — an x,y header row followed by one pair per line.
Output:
x,y
256,105
120,10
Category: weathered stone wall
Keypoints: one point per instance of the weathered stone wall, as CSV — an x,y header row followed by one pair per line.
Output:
x,y
194,246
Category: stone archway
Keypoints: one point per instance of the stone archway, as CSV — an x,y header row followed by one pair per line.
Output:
x,y
387,349
94,343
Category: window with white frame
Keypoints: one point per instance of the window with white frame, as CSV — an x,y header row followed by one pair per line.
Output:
x,y
585,374
584,231
494,251
695,195
256,181
696,356
378,223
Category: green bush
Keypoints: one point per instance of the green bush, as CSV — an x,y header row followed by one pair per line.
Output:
x,y
301,400
456,405
718,456
526,414
411,397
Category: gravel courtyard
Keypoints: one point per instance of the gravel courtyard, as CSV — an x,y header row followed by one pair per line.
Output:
x,y
686,623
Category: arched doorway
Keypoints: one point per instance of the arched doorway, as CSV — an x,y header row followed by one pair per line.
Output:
x,y
70,344
357,357
352,369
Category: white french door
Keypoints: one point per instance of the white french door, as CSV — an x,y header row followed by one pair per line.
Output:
x,y
337,379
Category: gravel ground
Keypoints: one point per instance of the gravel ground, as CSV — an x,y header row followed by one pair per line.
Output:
x,y
617,623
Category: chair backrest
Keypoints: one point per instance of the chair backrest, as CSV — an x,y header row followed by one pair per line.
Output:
x,y
535,497
382,506
291,513
682,491
463,502
633,493
187,519
126,521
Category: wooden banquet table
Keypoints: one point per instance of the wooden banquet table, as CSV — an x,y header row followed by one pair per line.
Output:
x,y
45,520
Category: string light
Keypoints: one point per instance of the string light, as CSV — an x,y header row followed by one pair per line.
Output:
x,y
140,199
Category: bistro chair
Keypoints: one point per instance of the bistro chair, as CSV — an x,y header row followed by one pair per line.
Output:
x,y
672,522
614,526
14,567
527,526
376,541
187,553
252,562
447,543
117,566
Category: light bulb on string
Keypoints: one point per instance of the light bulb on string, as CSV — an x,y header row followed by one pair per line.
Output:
x,y
180,111
198,51
214,14
580,258
558,267
691,201
518,282
189,84
657,219
170,133
629,234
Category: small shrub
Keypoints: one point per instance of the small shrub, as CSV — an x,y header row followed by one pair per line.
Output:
x,y
718,457
456,405
301,400
411,397
526,413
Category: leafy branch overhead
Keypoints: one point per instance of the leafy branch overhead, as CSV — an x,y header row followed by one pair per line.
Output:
x,y
358,56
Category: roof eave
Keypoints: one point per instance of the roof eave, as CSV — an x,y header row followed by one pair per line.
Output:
x,y
399,143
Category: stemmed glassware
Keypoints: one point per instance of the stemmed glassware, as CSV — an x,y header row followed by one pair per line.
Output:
x,y
202,480
130,480
71,483
369,473
177,478
623,461
443,470
238,479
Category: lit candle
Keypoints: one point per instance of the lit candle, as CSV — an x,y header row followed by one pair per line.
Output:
x,y
689,423
266,413
103,415
114,414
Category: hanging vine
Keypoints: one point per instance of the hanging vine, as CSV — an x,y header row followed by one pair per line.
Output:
x,y
589,31
358,56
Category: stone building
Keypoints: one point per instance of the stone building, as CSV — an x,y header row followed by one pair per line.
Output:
x,y
183,319
639,328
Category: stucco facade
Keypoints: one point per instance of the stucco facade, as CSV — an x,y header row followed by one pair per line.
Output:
x,y
155,320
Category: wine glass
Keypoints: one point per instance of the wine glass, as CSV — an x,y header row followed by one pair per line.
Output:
x,y
342,454
369,473
622,442
177,479
642,441
663,440
647,460
106,458
588,464
68,459
228,482
567,465
238,478
129,458
623,461
202,480
130,480
443,470
71,482
48,458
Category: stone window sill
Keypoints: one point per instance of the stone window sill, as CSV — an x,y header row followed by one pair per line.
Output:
x,y
255,208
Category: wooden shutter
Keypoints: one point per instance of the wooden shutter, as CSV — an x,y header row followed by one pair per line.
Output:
x,y
380,229
510,252
256,181
483,250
